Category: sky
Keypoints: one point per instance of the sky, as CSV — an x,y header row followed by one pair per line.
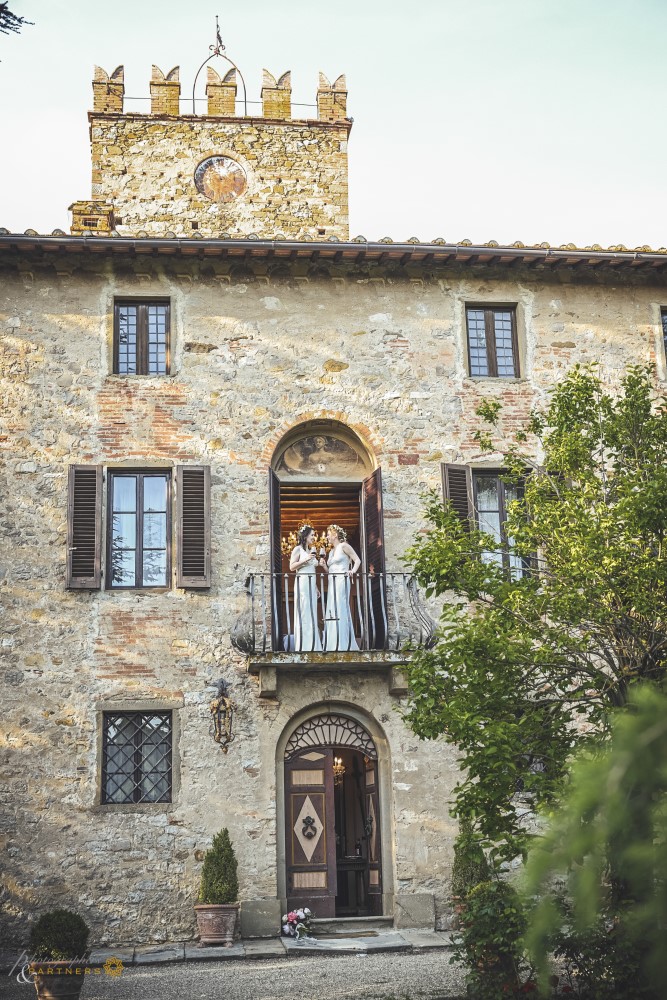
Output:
x,y
531,120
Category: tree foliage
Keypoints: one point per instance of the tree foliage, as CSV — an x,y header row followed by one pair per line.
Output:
x,y
609,843
520,656
9,21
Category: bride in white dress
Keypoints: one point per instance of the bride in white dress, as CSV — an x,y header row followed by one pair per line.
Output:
x,y
303,563
339,630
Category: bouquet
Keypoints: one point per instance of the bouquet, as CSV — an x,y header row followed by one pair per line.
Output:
x,y
296,923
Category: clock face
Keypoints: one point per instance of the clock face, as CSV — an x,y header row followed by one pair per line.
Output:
x,y
220,179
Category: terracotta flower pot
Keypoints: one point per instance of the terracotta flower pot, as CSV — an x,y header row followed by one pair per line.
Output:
x,y
217,924
58,980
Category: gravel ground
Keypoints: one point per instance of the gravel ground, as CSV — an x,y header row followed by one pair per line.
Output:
x,y
423,976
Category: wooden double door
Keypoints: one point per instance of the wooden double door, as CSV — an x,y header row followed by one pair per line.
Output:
x,y
332,835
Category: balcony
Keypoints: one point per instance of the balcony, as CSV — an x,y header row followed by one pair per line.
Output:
x,y
386,620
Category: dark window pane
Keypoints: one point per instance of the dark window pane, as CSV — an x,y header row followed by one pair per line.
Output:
x,y
504,350
157,339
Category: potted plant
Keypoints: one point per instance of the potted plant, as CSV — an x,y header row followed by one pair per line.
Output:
x,y
218,907
58,949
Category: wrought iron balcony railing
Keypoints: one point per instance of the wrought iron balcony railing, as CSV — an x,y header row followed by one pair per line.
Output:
x,y
330,614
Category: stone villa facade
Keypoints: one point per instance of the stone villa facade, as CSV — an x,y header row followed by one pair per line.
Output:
x,y
205,361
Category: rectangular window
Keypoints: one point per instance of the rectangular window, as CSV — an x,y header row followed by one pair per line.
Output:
x,y
136,757
663,316
492,341
491,497
141,338
139,529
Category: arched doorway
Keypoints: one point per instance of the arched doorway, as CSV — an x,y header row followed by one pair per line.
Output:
x,y
321,471
332,816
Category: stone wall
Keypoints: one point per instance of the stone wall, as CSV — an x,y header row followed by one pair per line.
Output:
x,y
296,175
255,352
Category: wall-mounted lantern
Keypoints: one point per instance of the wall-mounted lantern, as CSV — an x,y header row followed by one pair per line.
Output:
x,y
222,715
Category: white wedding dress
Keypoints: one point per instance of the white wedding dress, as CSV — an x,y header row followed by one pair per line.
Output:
x,y
338,627
306,633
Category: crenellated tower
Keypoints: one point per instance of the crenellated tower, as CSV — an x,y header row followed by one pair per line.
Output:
x,y
219,173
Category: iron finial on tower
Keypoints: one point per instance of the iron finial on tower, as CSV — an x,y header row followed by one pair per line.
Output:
x,y
219,50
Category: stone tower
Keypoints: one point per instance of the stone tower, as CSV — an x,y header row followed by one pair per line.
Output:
x,y
217,174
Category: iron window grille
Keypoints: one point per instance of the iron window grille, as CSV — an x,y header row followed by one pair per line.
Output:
x,y
136,757
141,338
492,341
491,495
139,529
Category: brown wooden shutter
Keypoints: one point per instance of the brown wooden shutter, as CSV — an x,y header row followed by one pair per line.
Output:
x,y
375,603
457,488
84,527
193,526
276,561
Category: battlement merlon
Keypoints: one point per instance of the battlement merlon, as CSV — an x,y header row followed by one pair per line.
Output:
x,y
221,93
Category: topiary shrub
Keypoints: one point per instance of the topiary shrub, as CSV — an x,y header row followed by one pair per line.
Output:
x,y
219,881
58,936
470,865
490,942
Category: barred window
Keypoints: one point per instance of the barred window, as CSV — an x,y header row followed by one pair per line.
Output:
x,y
492,341
141,338
136,757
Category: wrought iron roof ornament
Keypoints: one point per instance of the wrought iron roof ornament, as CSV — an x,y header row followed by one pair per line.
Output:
x,y
219,50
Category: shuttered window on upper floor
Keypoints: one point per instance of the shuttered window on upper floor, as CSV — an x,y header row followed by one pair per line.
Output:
x,y
139,528
480,497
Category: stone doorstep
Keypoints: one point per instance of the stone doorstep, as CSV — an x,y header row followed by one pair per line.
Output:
x,y
258,948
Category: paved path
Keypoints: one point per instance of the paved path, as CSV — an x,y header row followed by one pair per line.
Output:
x,y
394,975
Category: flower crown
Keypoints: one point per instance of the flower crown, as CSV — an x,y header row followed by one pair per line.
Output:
x,y
304,524
341,532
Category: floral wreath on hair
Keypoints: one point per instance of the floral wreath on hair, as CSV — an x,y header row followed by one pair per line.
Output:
x,y
341,532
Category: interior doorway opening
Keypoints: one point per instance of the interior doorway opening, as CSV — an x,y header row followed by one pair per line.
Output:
x,y
350,831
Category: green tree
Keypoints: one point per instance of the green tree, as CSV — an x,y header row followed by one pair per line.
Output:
x,y
613,821
521,657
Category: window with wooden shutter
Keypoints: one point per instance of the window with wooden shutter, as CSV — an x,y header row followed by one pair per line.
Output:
x,y
193,520
84,527
457,488
138,529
